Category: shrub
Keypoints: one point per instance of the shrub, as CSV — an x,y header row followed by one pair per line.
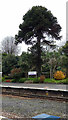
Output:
x,y
5,76
22,80
14,80
3,79
16,73
42,78
36,80
8,77
59,75
31,78
8,81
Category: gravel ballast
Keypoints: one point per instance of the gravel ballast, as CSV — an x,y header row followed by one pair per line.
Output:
x,y
20,107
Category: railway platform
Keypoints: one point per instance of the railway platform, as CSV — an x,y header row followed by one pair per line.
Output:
x,y
49,91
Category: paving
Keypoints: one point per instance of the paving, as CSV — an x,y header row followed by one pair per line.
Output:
x,y
61,87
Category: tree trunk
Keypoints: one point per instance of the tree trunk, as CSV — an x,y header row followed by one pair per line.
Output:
x,y
51,73
39,57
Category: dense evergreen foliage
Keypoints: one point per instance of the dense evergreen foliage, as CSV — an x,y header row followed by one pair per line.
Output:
x,y
51,62
38,23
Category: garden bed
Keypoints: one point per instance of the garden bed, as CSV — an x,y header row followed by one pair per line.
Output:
x,y
36,80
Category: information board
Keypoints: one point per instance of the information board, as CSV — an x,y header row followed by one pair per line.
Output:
x,y
32,73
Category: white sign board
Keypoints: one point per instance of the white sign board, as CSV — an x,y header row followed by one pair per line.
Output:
x,y
32,73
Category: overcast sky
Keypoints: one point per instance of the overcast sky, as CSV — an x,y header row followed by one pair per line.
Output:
x,y
12,11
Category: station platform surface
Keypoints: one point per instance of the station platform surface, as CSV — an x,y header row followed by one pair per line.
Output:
x,y
56,87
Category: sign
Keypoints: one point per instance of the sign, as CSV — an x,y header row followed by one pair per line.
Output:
x,y
32,73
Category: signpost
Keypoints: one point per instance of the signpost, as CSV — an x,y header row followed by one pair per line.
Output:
x,y
32,73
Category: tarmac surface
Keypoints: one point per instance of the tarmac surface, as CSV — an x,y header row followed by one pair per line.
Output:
x,y
62,87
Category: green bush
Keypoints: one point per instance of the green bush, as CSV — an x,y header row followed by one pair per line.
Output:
x,y
5,76
22,80
48,80
36,80
8,77
3,79
31,79
15,80
66,82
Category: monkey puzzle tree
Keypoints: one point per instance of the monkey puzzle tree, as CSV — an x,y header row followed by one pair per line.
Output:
x,y
38,23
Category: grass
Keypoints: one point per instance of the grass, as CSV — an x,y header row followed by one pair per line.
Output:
x,y
48,80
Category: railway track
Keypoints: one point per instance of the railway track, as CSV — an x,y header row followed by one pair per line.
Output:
x,y
36,93
50,98
47,97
